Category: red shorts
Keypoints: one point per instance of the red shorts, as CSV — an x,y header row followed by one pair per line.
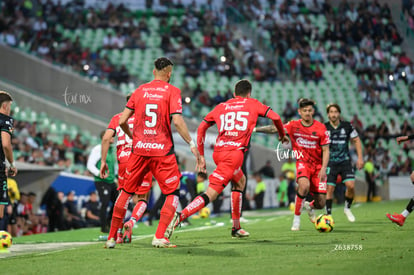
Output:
x,y
164,169
228,169
121,174
310,171
146,185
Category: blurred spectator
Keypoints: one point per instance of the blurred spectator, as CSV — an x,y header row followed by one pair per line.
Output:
x,y
73,217
267,170
260,190
92,211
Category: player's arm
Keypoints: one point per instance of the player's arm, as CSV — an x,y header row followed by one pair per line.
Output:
x,y
358,147
182,129
404,138
106,142
123,121
8,151
277,122
325,161
201,138
93,159
268,129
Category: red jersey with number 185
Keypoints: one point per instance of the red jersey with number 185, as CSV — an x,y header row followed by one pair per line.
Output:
x,y
123,143
307,141
153,104
236,119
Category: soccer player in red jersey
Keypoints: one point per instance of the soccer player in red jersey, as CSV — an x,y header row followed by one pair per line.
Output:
x,y
154,105
123,151
235,121
310,142
400,218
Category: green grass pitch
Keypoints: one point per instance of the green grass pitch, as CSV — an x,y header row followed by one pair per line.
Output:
x,y
371,245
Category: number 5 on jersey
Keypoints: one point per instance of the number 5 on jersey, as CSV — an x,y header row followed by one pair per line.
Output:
x,y
149,111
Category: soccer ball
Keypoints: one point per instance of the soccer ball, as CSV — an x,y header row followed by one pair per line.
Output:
x,y
324,223
205,212
6,240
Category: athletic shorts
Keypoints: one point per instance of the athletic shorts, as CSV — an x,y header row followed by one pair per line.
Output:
x,y
164,169
344,169
228,169
4,197
121,174
310,171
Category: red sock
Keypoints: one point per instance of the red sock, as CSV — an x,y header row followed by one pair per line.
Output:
x,y
139,210
166,215
311,204
118,214
298,205
196,205
236,199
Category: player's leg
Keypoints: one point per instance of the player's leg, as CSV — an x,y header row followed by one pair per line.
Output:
x,y
104,197
318,189
349,198
166,172
140,207
198,203
302,192
400,218
137,213
236,205
137,168
330,188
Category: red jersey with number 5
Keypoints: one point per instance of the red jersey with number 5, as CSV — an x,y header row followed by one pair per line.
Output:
x,y
307,141
153,104
236,119
123,143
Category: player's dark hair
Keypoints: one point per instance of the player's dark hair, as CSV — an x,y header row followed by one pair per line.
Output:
x,y
305,102
334,105
243,87
128,97
202,175
161,63
4,97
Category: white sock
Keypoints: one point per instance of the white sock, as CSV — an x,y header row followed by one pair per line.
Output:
x,y
405,213
134,221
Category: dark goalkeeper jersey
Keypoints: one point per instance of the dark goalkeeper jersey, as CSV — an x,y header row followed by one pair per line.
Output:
x,y
340,136
6,125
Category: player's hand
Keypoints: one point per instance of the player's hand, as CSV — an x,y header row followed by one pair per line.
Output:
x,y
104,171
12,171
402,139
201,165
360,164
284,140
322,174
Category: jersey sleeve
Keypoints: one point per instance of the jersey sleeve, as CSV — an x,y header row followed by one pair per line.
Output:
x,y
131,102
176,106
113,123
262,109
325,138
288,127
209,118
7,126
352,132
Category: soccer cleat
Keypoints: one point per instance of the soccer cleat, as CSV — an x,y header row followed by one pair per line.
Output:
x,y
296,223
239,233
396,218
172,226
119,237
110,243
162,243
349,215
311,212
127,238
